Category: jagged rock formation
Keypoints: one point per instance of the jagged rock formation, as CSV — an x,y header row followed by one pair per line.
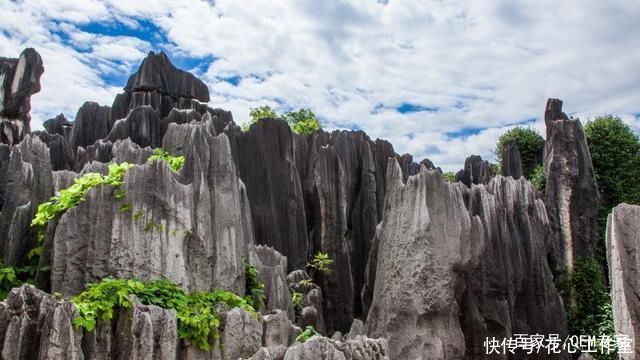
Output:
x,y
571,192
27,183
476,171
623,255
19,79
434,267
446,250
36,325
426,238
511,161
510,290
188,227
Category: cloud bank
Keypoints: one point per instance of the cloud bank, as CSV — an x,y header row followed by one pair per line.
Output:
x,y
437,79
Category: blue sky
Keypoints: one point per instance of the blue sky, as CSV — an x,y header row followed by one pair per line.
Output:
x,y
437,79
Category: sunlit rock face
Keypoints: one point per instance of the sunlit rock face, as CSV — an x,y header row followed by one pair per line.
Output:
x,y
19,79
455,265
571,195
623,255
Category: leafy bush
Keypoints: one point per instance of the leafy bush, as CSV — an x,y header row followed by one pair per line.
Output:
x,y
198,321
449,176
307,334
539,178
296,300
303,121
254,288
615,153
320,262
588,303
175,162
530,144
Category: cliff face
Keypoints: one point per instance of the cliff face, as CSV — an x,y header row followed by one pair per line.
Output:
x,y
434,268
456,265
623,255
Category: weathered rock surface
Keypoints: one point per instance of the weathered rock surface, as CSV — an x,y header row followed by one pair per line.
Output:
x,y
427,239
189,227
272,272
323,348
58,125
265,158
476,171
28,183
511,161
623,255
93,122
19,79
510,289
311,312
571,192
455,265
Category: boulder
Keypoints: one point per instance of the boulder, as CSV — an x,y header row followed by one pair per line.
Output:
x,y
623,256
272,267
361,348
242,335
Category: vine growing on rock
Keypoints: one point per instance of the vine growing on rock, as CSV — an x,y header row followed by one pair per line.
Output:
x,y
73,195
254,288
198,320
175,162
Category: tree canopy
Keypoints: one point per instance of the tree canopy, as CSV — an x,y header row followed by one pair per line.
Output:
x,y
303,121
530,144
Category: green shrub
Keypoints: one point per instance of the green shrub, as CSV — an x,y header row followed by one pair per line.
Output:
x,y
539,178
530,144
303,121
320,262
198,321
615,153
449,176
296,300
307,334
587,300
254,288
175,162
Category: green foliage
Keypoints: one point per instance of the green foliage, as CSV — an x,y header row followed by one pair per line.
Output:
x,y
307,334
539,178
449,176
175,162
303,121
321,262
588,302
198,321
296,300
615,153
73,195
530,144
254,288
8,280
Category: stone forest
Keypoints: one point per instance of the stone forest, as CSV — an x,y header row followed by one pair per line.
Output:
x,y
157,228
